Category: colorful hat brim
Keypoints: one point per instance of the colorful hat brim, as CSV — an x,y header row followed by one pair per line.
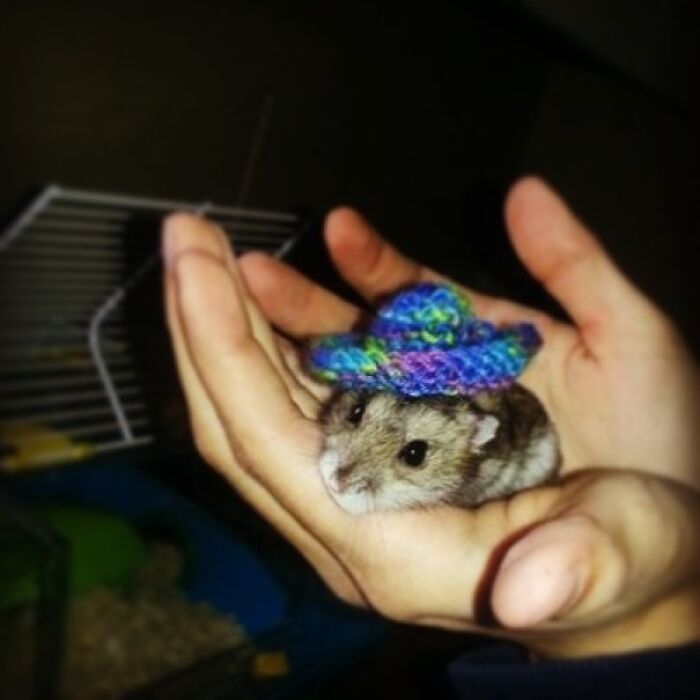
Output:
x,y
409,368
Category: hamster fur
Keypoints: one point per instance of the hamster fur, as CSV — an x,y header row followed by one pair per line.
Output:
x,y
381,451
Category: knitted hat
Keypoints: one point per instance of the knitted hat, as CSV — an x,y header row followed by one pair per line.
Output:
x,y
425,341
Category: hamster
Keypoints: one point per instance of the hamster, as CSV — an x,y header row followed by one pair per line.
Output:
x,y
382,451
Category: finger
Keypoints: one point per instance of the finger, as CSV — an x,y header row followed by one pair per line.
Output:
x,y
375,268
621,542
570,262
200,234
292,358
301,308
212,442
209,433
293,303
265,335
367,261
268,434
205,424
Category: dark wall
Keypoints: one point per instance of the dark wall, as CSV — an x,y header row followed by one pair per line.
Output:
x,y
418,118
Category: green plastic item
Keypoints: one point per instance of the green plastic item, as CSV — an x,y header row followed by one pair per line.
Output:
x,y
103,551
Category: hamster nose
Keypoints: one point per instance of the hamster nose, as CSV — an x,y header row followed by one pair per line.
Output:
x,y
341,478
333,485
369,485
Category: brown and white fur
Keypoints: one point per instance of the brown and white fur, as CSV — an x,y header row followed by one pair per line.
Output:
x,y
381,451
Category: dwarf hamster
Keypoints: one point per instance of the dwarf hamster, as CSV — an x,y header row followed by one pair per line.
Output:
x,y
382,451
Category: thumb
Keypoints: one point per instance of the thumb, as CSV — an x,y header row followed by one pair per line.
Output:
x,y
570,262
546,574
624,541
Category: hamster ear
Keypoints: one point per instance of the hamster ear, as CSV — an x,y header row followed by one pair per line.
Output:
x,y
484,430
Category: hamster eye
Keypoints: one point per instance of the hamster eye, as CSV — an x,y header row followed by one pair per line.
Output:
x,y
356,413
413,453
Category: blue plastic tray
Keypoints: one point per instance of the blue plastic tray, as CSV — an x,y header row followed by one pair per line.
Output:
x,y
286,610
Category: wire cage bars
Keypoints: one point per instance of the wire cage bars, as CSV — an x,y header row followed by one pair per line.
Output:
x,y
70,263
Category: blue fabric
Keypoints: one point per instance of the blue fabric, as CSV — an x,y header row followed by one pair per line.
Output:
x,y
504,671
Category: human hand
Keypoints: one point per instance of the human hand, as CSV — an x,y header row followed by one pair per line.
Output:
x,y
618,381
564,568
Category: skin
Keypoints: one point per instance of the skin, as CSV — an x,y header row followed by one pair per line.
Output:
x,y
604,562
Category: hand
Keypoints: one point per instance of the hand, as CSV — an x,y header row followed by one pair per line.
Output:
x,y
619,382
567,568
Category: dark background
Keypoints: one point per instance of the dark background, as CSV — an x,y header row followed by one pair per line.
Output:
x,y
418,117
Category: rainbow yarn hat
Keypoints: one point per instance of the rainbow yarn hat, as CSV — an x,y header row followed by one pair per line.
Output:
x,y
425,341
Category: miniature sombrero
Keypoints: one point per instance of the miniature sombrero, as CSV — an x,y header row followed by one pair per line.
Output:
x,y
425,341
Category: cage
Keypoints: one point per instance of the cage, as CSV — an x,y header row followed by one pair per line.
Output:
x,y
94,451
78,308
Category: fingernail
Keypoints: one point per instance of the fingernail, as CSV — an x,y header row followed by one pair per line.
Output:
x,y
168,244
170,236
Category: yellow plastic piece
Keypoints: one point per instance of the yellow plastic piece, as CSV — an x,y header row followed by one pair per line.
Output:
x,y
271,664
34,445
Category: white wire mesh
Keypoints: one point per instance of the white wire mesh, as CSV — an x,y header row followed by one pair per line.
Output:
x,y
69,385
